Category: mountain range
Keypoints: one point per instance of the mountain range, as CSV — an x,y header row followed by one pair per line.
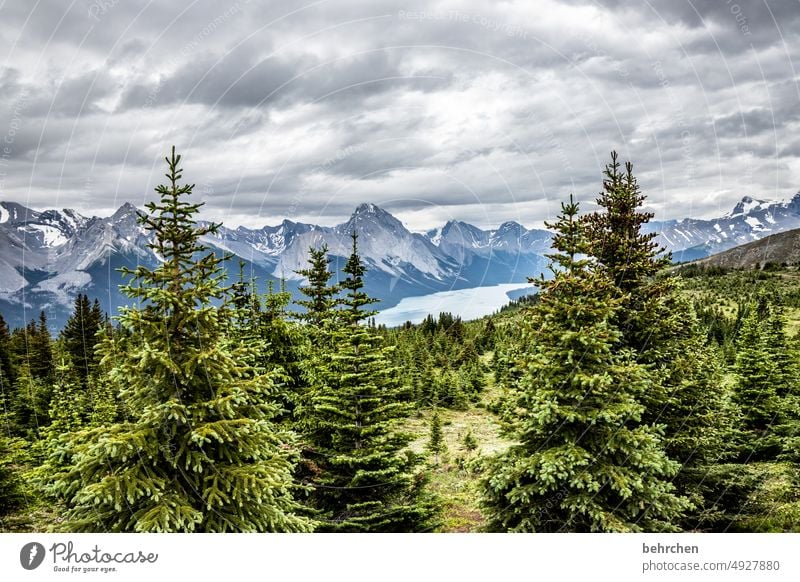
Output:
x,y
751,219
48,257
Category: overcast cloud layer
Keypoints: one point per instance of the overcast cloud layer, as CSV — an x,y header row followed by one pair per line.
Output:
x,y
477,110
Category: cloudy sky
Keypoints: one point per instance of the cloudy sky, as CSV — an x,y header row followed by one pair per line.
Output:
x,y
473,109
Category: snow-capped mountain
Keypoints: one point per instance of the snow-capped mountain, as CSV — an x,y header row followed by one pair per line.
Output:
x,y
47,257
458,238
263,246
750,220
384,244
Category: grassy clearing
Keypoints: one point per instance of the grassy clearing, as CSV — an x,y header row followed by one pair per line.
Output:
x,y
455,477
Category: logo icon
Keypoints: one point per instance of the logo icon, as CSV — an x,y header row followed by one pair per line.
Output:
x,y
31,555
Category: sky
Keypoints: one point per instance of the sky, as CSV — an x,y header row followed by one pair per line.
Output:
x,y
477,110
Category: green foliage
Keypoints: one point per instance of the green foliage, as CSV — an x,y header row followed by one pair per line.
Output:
x,y
80,336
436,445
7,375
755,392
10,480
30,403
628,256
321,299
755,497
585,461
766,388
686,396
470,442
32,346
364,479
70,405
199,451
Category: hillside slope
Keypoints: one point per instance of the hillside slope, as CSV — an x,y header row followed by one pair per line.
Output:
x,y
783,247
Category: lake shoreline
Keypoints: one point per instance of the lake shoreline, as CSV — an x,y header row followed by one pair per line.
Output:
x,y
471,303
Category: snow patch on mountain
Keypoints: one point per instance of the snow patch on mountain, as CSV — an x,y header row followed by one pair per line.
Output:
x,y
754,223
51,235
745,206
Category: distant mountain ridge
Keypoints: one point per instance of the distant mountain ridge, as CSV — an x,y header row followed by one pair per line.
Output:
x,y
750,220
48,257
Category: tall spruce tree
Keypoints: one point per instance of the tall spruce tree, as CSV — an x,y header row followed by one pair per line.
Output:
x,y
284,346
686,396
584,461
200,451
366,479
786,379
631,259
755,392
40,354
79,335
321,297
320,319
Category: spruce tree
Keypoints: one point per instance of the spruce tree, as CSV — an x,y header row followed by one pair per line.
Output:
x,y
632,259
70,406
284,345
786,380
30,403
755,393
436,445
698,414
321,298
40,355
200,451
584,461
70,410
79,335
779,351
626,254
319,320
366,479
686,396
469,441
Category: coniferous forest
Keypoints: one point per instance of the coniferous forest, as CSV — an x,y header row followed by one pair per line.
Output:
x,y
628,395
